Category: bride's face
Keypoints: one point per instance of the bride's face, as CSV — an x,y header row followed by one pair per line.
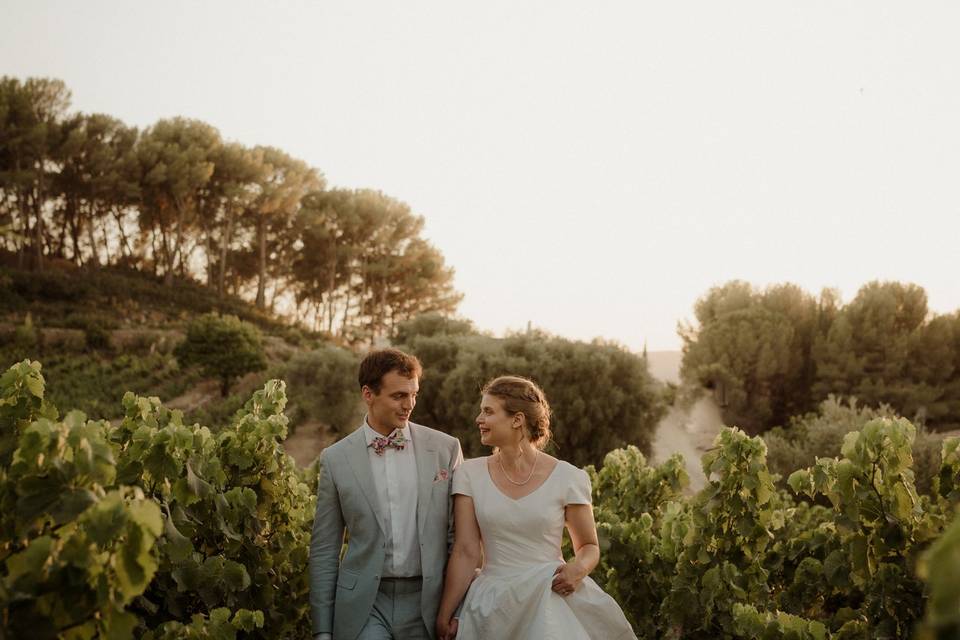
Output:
x,y
497,427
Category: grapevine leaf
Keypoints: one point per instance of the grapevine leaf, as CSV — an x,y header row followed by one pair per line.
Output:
x,y
235,576
86,631
178,546
147,514
133,563
34,385
800,482
119,625
71,504
247,620
25,569
105,520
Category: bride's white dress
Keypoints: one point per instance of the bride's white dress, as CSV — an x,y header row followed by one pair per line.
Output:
x,y
511,597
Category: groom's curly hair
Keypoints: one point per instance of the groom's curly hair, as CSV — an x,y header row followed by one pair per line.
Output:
x,y
522,395
380,362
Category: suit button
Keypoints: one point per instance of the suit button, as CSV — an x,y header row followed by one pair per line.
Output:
x,y
376,576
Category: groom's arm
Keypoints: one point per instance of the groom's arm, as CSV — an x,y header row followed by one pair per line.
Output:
x,y
325,544
456,459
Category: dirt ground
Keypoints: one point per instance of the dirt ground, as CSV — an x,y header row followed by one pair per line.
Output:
x,y
306,443
690,433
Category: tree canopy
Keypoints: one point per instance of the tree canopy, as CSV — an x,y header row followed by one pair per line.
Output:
x,y
601,395
777,353
224,347
176,200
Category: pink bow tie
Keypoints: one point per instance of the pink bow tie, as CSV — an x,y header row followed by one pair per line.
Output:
x,y
395,440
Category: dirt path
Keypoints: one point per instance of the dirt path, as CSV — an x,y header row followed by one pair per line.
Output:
x,y
196,396
306,443
689,432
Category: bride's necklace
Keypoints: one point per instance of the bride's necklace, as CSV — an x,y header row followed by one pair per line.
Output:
x,y
533,468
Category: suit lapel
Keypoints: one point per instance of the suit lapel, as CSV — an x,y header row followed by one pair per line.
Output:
x,y
425,452
360,464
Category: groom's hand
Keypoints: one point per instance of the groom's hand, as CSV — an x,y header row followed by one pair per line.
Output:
x,y
567,578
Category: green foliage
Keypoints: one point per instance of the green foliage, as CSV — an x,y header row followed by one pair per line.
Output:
x,y
947,483
733,523
224,347
323,387
150,528
96,336
821,434
880,521
219,625
601,395
153,528
750,623
95,384
236,531
431,324
773,354
630,499
77,548
67,298
87,190
741,559
940,566
883,349
753,349
25,337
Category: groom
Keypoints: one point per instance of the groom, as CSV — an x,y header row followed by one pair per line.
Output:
x,y
388,485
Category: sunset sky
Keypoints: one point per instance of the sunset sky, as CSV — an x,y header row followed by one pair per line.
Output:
x,y
591,168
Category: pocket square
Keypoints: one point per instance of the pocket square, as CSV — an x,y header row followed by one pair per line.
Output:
x,y
443,474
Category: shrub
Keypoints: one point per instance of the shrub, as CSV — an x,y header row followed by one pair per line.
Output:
x,y
26,337
602,396
223,347
323,387
821,435
96,337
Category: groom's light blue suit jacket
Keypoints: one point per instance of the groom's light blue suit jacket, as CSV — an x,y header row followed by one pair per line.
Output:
x,y
342,592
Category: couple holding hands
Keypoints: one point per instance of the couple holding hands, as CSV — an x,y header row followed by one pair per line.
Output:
x,y
440,548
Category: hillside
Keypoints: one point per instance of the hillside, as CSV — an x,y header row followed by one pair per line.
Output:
x,y
99,334
103,332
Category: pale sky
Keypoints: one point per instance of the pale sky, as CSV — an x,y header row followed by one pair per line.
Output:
x,y
590,167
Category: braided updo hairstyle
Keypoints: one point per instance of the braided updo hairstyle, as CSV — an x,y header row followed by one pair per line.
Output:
x,y
520,395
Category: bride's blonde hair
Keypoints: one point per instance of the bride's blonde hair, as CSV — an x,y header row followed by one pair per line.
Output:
x,y
522,395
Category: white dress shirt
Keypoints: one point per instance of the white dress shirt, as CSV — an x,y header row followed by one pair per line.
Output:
x,y
395,479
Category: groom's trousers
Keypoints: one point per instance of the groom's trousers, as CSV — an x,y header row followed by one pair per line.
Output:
x,y
396,613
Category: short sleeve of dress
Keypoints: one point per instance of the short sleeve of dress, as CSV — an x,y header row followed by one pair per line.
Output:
x,y
578,489
461,481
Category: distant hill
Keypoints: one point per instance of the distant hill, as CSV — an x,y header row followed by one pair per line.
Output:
x,y
665,365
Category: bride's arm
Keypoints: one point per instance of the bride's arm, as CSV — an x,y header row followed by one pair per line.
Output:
x,y
464,558
586,549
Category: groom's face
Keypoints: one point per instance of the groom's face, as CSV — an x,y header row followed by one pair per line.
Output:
x,y
391,408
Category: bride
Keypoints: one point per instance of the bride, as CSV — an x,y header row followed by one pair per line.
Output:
x,y
510,509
